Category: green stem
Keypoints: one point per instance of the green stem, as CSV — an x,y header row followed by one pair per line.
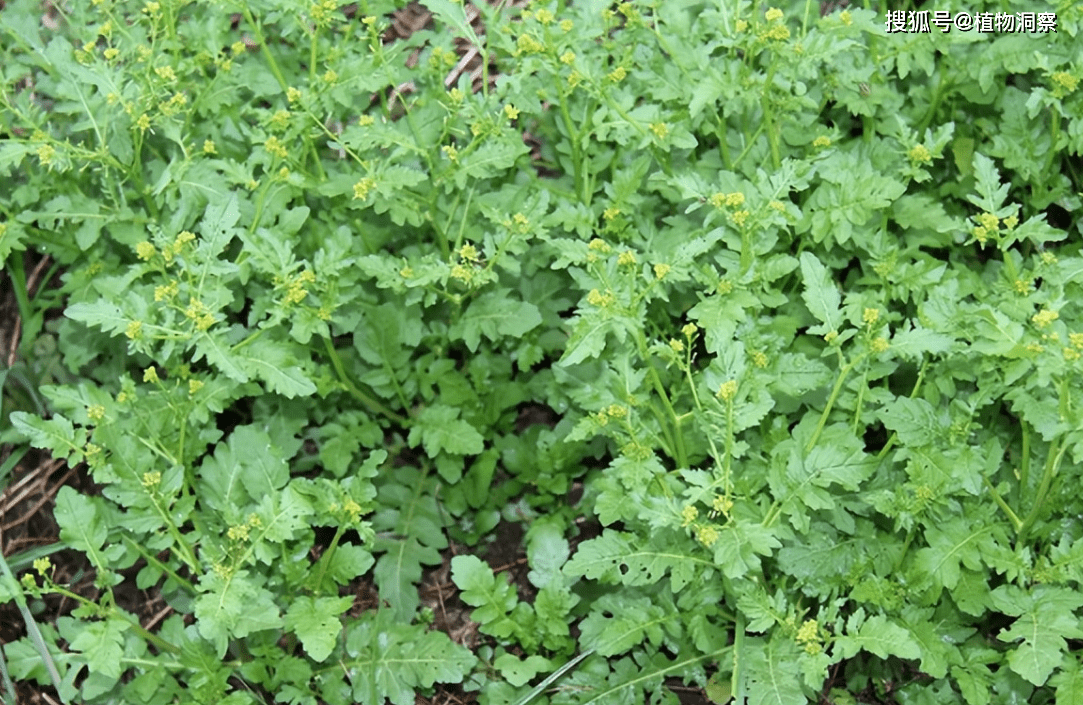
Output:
x,y
768,114
573,137
153,560
681,455
365,399
1024,463
1052,462
1016,523
264,49
827,409
328,555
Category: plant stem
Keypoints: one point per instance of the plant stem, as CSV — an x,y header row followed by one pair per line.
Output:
x,y
830,403
1052,462
365,399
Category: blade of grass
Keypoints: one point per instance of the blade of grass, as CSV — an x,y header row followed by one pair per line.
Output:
x,y
552,677
10,463
9,687
32,626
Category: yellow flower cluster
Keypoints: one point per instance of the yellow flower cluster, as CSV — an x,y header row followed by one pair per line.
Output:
x,y
727,391
363,188
596,298
919,154
275,147
1044,317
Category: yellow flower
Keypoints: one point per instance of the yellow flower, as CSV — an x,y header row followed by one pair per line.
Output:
x,y
134,330
1071,354
773,14
846,17
42,566
1021,286
275,147
611,213
1065,81
727,390
689,329
617,75
566,25
143,123
165,291
208,147
1076,339
821,142
880,345
676,345
451,152
735,199
599,246
626,258
870,316
511,112
741,26
464,274
237,47
544,16
366,120
919,154
988,221
707,535
110,53
616,411
527,44
293,95
688,514
238,533
280,119
759,359
722,504
363,188
145,250
567,57
150,375
779,33
1044,317
660,129
595,298
468,252
194,385
151,479
740,217
1011,221
661,270
95,412
166,73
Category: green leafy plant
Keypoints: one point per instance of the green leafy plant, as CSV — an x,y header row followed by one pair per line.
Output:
x,y
800,318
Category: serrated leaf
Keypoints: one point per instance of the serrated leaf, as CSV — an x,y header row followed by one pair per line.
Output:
x,y
821,294
81,525
392,661
440,430
316,623
915,421
617,624
772,672
233,605
615,557
1046,619
274,362
495,315
57,434
878,636
102,644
